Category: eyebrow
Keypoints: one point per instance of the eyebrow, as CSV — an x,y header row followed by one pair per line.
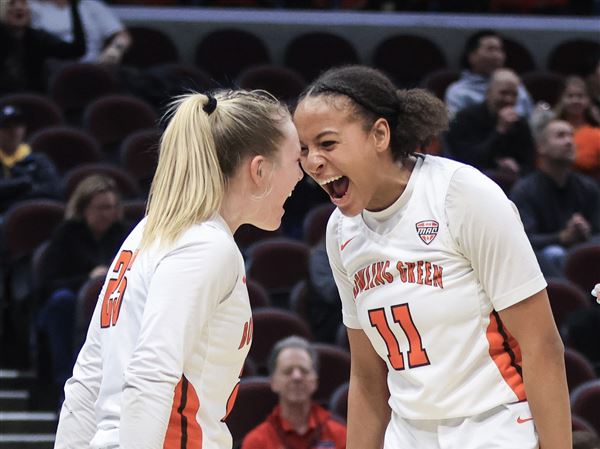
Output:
x,y
321,134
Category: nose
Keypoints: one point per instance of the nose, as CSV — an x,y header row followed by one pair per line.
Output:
x,y
313,163
297,373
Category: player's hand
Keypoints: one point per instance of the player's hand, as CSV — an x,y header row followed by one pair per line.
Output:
x,y
507,116
596,293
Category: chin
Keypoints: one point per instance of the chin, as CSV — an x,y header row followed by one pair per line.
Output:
x,y
269,226
350,210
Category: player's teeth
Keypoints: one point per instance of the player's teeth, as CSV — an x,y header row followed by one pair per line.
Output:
x,y
327,181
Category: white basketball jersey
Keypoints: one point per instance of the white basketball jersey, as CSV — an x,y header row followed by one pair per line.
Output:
x,y
166,345
426,284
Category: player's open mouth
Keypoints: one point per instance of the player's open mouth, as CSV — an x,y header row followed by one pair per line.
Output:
x,y
336,187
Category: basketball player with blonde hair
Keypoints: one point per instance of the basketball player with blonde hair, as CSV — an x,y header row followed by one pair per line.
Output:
x,y
161,363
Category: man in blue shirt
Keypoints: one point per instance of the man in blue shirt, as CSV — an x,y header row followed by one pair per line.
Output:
x,y
483,54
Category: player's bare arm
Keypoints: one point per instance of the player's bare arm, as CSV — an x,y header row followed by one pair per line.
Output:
x,y
543,368
368,410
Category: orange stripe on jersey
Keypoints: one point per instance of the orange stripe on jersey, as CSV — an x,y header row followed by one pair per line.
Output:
x,y
184,431
506,354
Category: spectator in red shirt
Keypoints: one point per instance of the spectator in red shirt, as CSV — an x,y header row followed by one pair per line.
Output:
x,y
296,422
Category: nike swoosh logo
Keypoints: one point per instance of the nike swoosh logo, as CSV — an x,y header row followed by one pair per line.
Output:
x,y
346,243
523,420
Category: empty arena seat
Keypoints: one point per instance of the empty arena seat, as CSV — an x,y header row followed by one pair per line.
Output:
x,y
282,82
271,325
215,53
408,58
149,47
66,147
312,53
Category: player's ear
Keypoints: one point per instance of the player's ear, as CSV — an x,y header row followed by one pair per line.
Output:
x,y
257,169
381,134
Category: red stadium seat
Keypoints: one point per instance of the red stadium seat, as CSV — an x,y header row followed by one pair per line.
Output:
x,y
258,295
315,223
583,266
579,369
408,58
149,47
66,147
215,50
254,403
438,81
338,403
112,118
299,300
76,85
585,402
278,264
334,370
565,297
282,82
312,53
270,326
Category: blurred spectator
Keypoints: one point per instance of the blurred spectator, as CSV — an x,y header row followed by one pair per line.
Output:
x,y
559,207
24,175
593,83
491,136
296,422
324,306
81,248
106,38
24,50
483,54
576,108
585,440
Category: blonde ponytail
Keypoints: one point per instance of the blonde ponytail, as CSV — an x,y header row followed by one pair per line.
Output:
x,y
188,185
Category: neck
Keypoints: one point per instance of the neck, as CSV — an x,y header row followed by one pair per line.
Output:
x,y
576,120
557,171
394,179
296,414
8,151
232,208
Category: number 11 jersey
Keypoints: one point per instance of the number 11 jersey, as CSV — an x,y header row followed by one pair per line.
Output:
x,y
425,278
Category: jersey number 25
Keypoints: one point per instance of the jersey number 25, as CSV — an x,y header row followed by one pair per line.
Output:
x,y
111,304
417,356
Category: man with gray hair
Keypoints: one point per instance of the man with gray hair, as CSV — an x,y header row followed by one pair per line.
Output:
x,y
297,422
559,207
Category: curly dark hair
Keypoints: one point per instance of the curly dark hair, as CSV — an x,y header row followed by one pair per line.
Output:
x,y
415,116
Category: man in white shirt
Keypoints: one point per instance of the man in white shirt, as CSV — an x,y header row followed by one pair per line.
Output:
x,y
107,39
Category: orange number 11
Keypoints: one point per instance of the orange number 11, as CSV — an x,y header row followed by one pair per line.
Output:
x,y
417,356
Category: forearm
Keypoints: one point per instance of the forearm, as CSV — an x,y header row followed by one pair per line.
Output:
x,y
145,413
548,396
368,413
540,241
114,51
